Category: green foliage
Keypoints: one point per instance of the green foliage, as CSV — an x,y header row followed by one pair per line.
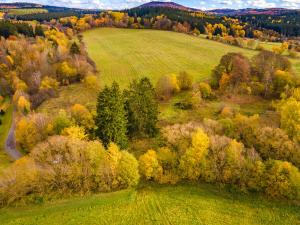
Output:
x,y
282,180
185,80
142,108
274,143
61,121
111,120
290,118
205,90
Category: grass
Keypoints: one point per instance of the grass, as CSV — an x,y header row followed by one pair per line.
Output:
x,y
4,129
125,54
19,12
180,204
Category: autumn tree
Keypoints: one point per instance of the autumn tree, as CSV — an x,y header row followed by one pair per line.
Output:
x,y
264,67
185,80
167,86
192,163
111,120
235,67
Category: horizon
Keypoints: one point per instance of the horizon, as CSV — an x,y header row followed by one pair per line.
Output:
x,y
202,5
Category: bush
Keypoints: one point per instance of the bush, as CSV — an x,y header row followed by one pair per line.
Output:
x,y
166,87
274,143
64,165
205,90
185,81
282,179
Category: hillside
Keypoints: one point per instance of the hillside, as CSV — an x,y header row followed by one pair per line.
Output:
x,y
173,5
181,204
239,12
123,55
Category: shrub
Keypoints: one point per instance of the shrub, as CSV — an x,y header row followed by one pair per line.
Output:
x,y
282,179
192,162
166,87
274,143
61,121
205,90
185,81
91,81
149,165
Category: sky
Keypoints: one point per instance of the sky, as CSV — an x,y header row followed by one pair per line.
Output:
x,y
200,4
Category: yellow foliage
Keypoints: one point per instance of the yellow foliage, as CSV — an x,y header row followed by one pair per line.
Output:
x,y
23,105
49,83
149,165
75,132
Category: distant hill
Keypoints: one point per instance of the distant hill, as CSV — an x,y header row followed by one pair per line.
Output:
x,y
19,5
50,9
250,11
173,5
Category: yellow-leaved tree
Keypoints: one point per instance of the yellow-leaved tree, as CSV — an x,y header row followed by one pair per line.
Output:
x,y
192,163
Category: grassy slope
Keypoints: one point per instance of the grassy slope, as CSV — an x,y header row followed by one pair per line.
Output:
x,y
4,129
122,54
181,204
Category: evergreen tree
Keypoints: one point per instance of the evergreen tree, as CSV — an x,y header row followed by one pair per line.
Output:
x,y
142,108
111,118
74,49
39,31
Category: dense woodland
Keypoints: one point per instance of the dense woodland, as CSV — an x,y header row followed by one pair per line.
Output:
x,y
286,24
86,150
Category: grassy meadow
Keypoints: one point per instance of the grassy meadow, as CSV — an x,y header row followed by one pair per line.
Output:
x,y
19,12
125,54
180,204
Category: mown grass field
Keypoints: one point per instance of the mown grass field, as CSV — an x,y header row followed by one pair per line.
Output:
x,y
19,12
125,54
4,129
180,204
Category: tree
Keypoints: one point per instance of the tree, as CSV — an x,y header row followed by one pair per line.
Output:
x,y
74,132
290,118
23,105
82,116
74,49
61,121
185,81
192,163
128,170
274,143
111,120
237,69
205,90
39,31
167,86
282,179
264,67
149,165
141,107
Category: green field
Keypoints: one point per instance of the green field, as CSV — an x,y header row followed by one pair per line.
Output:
x,y
124,54
19,12
4,129
181,204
